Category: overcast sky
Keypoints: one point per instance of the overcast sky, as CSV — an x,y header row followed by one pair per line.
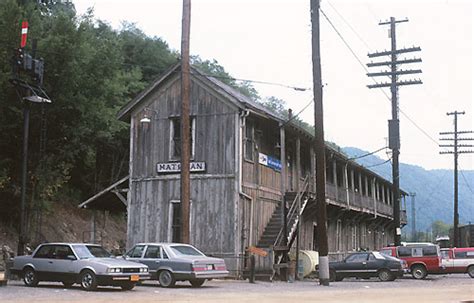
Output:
x,y
270,40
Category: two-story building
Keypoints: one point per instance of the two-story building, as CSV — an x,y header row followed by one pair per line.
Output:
x,y
240,152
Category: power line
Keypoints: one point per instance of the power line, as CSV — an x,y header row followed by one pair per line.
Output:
x,y
349,25
379,163
368,154
465,180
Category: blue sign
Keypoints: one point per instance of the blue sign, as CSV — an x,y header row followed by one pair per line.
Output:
x,y
269,161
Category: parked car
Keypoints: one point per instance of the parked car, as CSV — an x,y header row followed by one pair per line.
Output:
x,y
89,265
458,260
366,265
171,262
422,258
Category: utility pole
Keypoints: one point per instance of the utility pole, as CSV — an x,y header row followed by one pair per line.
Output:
x,y
185,125
320,149
413,217
394,123
456,153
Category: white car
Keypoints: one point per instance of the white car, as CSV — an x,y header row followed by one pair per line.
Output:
x,y
90,265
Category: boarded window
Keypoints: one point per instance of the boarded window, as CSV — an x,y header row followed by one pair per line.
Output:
x,y
175,137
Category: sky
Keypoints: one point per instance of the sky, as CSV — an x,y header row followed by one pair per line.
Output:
x,y
270,40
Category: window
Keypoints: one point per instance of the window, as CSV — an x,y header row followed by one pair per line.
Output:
x,y
356,258
136,252
404,252
153,252
338,235
62,252
387,252
175,137
430,251
46,251
249,140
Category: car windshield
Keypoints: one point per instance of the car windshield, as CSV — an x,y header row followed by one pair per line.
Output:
x,y
91,251
182,250
384,256
379,256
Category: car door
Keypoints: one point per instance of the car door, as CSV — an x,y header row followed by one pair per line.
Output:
x,y
136,253
42,261
355,265
152,258
373,264
61,264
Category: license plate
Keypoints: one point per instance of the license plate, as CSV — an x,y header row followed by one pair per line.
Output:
x,y
210,267
134,278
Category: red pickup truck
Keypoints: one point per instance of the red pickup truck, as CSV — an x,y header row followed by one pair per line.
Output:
x,y
422,259
458,260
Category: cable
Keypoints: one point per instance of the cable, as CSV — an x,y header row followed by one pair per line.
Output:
x,y
379,163
367,154
295,116
465,180
349,25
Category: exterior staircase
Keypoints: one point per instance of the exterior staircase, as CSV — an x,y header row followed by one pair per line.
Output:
x,y
273,237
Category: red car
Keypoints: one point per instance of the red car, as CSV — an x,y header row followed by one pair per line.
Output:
x,y
422,259
458,260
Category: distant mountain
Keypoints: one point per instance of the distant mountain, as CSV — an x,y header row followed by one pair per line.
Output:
x,y
434,190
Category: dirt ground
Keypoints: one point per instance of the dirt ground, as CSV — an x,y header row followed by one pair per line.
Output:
x,y
454,288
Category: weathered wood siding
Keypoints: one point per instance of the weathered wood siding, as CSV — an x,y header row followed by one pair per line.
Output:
x,y
214,193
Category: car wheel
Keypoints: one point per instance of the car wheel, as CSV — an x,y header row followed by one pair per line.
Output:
x,y
418,272
166,278
128,286
29,277
385,275
470,271
67,284
88,280
197,282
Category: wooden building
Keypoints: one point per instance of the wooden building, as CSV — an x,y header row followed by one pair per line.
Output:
x,y
245,162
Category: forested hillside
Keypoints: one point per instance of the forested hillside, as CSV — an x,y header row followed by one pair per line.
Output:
x,y
91,71
433,188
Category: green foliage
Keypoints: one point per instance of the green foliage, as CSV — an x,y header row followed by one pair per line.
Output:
x,y
213,68
91,71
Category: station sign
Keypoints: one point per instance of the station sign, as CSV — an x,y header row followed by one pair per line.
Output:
x,y
269,161
175,167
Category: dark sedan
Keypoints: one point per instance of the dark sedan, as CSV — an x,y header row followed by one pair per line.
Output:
x,y
367,265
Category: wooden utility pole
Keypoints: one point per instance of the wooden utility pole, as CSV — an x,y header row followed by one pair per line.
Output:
x,y
185,124
456,152
394,123
320,149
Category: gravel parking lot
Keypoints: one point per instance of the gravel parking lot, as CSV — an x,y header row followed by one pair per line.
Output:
x,y
452,288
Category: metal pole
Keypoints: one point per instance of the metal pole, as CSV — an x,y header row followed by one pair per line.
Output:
x,y
185,123
396,147
319,147
24,177
298,189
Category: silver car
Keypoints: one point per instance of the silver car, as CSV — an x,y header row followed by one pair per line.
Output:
x,y
171,262
89,265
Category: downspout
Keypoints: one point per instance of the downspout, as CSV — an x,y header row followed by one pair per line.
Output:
x,y
239,153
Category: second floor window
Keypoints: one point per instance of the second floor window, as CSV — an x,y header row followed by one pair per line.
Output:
x,y
248,141
175,138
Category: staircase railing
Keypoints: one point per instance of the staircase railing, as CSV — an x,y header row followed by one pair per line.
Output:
x,y
295,208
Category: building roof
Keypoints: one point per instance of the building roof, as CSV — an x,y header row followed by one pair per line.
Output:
x,y
109,198
237,98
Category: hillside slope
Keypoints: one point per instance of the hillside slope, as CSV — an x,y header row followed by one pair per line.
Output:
x,y
66,223
433,188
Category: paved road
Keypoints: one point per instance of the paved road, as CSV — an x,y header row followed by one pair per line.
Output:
x,y
453,288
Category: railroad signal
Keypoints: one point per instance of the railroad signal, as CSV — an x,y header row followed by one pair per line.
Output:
x,y
24,33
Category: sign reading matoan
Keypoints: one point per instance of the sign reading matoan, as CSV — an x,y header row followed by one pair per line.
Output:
x,y
175,167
